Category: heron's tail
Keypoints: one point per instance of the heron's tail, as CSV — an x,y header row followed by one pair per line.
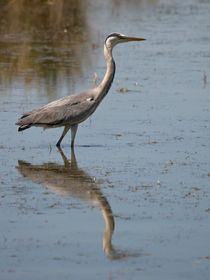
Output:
x,y
23,127
23,124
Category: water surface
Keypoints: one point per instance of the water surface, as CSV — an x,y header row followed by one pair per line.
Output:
x,y
132,200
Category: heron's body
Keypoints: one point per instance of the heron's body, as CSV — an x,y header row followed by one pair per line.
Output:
x,y
74,109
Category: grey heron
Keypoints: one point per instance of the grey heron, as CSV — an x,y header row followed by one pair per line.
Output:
x,y
74,109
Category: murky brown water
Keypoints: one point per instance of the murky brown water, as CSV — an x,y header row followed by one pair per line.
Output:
x,y
132,200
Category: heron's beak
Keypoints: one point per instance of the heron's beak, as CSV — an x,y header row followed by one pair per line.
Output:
x,y
127,39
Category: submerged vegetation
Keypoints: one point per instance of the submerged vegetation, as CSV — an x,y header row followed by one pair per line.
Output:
x,y
23,20
38,36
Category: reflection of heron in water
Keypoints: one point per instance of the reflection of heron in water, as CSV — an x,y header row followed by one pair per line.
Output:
x,y
69,180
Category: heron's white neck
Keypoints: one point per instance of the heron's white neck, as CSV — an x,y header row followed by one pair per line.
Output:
x,y
105,85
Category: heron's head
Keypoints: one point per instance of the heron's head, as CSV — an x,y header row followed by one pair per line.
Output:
x,y
117,38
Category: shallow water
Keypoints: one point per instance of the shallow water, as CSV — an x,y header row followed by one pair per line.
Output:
x,y
132,200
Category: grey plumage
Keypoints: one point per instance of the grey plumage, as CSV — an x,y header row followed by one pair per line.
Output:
x,y
74,109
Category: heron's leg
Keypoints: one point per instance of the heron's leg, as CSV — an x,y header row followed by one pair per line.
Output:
x,y
66,129
73,133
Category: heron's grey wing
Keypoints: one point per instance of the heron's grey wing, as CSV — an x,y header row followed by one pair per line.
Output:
x,y
52,104
71,109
